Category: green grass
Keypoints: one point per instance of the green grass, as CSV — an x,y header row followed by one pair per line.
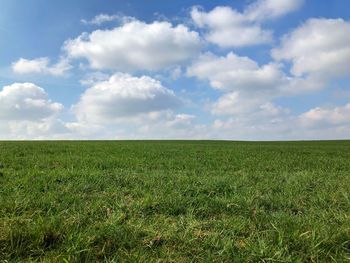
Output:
x,y
175,201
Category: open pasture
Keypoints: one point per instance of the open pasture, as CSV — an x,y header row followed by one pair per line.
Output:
x,y
175,201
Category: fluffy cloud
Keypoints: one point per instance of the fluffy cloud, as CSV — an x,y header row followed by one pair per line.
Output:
x,y
269,9
41,66
51,128
164,124
228,27
235,103
26,112
136,46
325,117
318,47
169,125
274,123
246,129
26,101
247,85
236,73
128,107
124,96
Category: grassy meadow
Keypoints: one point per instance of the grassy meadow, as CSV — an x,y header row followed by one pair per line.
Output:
x,y
175,201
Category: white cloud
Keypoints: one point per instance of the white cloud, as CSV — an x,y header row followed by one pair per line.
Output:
x,y
249,88
92,78
248,85
25,66
236,73
247,129
269,9
51,128
41,66
136,46
275,123
282,126
124,96
125,106
326,117
100,19
26,112
26,101
169,125
228,27
165,124
238,104
319,47
128,107
249,91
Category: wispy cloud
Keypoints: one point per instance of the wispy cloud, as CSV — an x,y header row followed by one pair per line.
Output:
x,y
41,66
101,19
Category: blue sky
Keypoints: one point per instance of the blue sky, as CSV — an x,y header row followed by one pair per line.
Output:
x,y
241,70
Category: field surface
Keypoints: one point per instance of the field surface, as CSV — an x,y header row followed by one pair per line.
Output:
x,y
175,201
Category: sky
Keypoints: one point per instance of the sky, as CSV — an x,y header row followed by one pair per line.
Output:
x,y
231,70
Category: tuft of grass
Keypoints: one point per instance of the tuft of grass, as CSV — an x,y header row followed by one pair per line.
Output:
x,y
175,201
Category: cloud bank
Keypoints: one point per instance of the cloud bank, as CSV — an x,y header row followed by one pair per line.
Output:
x,y
220,74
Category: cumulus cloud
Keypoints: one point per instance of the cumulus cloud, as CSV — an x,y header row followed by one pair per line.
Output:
x,y
275,123
124,96
246,129
181,121
26,101
325,117
51,128
41,66
249,91
246,84
318,47
169,125
236,73
239,104
164,124
318,52
136,46
123,106
228,27
26,112
269,9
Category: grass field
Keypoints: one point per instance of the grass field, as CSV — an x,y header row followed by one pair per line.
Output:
x,y
175,201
